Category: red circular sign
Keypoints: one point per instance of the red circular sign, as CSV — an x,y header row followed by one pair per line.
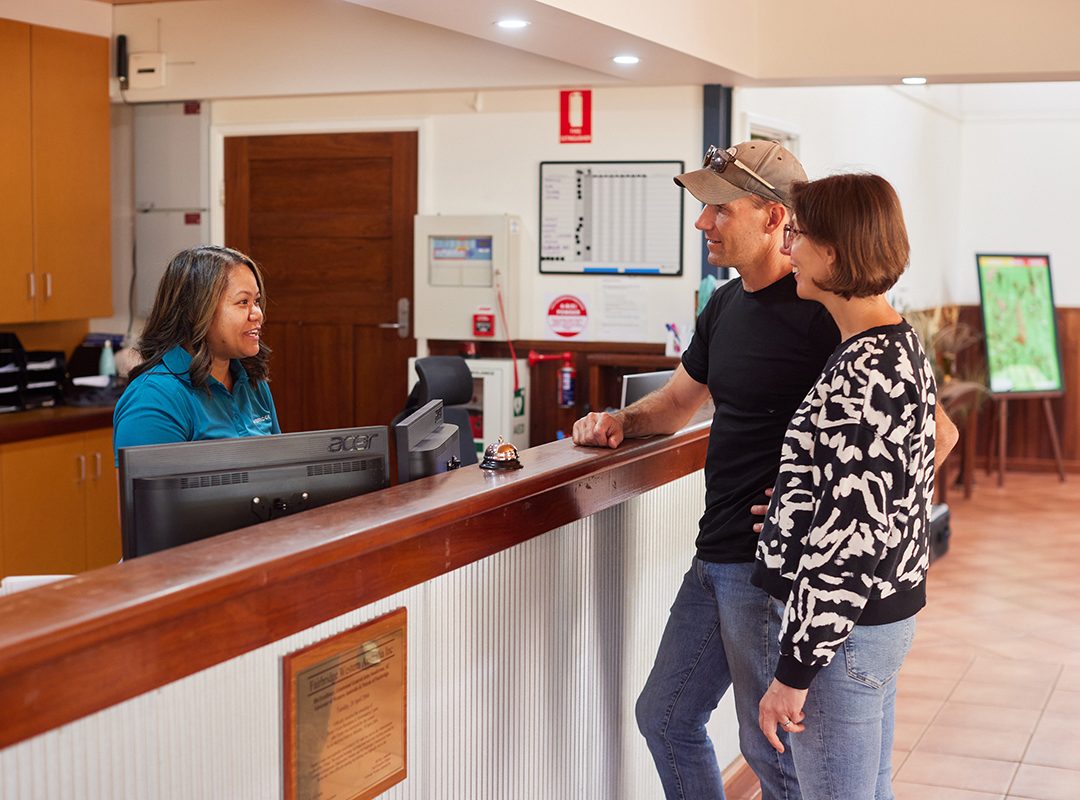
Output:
x,y
566,316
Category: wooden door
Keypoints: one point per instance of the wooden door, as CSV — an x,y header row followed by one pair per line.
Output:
x,y
102,501
44,488
329,219
70,133
16,206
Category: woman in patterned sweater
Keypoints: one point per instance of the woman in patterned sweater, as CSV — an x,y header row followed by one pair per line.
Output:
x,y
844,547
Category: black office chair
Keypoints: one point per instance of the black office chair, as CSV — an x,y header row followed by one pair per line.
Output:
x,y
445,378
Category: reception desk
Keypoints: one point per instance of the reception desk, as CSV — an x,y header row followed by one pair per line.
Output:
x,y
535,602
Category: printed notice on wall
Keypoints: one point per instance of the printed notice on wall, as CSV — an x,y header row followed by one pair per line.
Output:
x,y
611,217
345,713
624,312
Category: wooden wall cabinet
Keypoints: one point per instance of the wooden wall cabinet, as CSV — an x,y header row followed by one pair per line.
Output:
x,y
16,171
102,501
54,160
58,504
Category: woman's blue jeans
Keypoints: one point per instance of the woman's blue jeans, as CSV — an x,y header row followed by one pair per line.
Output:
x,y
845,753
723,631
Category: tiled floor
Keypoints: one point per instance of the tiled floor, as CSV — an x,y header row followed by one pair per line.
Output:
x,y
989,698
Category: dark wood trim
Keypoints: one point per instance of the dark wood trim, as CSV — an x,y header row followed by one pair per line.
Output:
x,y
1025,465
546,417
452,347
82,645
619,363
21,425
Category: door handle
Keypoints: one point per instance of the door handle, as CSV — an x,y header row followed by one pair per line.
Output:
x,y
33,285
97,466
81,460
48,285
402,324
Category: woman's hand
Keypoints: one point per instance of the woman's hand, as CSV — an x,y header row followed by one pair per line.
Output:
x,y
761,511
781,706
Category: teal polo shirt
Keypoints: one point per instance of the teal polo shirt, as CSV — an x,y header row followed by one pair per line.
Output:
x,y
161,406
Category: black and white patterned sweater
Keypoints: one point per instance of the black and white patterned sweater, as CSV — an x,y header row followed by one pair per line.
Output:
x,y
845,540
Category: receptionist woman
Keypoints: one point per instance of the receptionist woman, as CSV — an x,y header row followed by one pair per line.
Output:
x,y
205,369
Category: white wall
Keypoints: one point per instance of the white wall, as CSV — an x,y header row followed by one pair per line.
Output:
x,y
83,16
979,168
486,161
1018,194
480,151
911,142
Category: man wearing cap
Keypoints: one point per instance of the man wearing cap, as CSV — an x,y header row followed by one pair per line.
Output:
x,y
757,349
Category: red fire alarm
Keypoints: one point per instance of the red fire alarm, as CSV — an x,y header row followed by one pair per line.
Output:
x,y
483,323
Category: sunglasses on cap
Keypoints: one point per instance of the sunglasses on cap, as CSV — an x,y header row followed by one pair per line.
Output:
x,y
718,160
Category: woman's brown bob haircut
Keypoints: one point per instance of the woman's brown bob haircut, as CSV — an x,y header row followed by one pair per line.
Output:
x,y
186,301
859,215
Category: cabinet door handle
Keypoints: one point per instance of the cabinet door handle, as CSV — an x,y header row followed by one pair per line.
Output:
x,y
48,285
81,459
97,466
33,285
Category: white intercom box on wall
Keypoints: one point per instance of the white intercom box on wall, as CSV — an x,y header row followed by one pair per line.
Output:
x,y
465,279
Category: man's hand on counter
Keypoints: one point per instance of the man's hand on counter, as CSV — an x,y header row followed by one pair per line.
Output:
x,y
599,430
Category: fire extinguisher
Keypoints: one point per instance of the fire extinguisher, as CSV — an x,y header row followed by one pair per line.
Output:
x,y
567,381
567,374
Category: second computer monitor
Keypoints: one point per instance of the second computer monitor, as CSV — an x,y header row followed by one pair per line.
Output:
x,y
637,385
425,444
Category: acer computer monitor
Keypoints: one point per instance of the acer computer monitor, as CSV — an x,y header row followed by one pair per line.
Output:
x,y
172,494
425,444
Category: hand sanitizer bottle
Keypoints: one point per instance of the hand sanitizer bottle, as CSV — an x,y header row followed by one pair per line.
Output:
x,y
107,362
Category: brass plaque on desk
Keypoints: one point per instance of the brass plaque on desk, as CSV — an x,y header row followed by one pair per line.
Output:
x,y
345,724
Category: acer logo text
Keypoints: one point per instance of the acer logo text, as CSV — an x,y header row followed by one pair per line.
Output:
x,y
361,441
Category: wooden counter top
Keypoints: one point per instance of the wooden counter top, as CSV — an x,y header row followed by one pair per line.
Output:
x,y
84,644
19,425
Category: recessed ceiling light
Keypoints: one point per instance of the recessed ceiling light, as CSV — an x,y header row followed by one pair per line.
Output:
x,y
626,59
913,81
512,24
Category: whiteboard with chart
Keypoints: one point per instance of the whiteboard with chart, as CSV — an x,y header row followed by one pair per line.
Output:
x,y
611,217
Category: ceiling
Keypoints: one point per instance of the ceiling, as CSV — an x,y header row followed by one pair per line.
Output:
x,y
679,42
784,42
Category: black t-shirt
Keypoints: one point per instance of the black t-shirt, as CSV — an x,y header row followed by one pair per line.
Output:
x,y
759,352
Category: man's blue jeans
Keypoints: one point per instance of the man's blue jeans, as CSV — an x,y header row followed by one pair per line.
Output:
x,y
846,750
722,631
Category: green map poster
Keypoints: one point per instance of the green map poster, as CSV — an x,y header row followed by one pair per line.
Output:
x,y
1018,316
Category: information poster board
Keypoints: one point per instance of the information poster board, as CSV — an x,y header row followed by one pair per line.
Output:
x,y
611,217
345,713
1022,350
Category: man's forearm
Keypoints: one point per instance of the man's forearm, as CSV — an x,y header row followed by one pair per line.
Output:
x,y
653,414
634,420
945,437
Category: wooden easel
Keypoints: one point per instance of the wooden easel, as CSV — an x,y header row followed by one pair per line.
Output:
x,y
999,432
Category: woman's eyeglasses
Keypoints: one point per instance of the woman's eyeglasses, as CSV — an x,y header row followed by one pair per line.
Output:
x,y
790,232
718,160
